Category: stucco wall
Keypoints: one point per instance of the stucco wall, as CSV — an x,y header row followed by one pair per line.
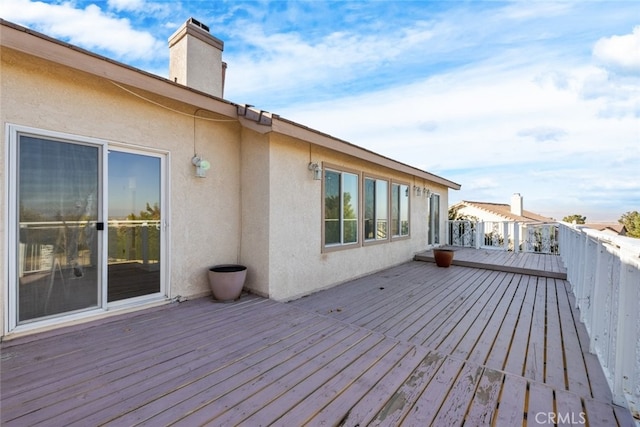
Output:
x,y
255,193
203,213
298,266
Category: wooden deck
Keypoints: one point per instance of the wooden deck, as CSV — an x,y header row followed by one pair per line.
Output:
x,y
413,345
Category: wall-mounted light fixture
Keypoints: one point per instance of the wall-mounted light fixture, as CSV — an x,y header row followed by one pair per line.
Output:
x,y
426,192
202,166
317,171
417,190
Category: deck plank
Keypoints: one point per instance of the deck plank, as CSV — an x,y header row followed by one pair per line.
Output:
x,y
569,410
554,369
485,400
534,366
539,403
577,379
511,405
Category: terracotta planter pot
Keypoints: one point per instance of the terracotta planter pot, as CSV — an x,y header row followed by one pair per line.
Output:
x,y
443,257
226,281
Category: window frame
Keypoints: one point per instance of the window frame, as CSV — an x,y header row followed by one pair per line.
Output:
x,y
400,185
433,220
376,179
356,200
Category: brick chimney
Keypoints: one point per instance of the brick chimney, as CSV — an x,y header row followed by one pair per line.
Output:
x,y
516,204
195,58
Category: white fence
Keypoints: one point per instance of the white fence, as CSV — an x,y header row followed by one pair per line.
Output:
x,y
505,235
604,272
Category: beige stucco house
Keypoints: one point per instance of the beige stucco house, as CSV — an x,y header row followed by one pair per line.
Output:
x,y
121,188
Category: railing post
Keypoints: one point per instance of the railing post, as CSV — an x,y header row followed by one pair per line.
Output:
x,y
601,304
505,234
516,237
479,234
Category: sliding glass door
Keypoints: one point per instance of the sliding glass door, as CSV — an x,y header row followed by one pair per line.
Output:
x,y
85,225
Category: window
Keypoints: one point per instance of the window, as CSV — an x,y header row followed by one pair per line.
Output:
x,y
399,210
434,219
340,208
376,209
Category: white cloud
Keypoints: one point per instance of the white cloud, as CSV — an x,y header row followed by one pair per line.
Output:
x,y
130,5
290,62
483,183
90,28
620,53
543,133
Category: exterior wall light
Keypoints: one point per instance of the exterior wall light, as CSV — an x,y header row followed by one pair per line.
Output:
x,y
317,171
202,166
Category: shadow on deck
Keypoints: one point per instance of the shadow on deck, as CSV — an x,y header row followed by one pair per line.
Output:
x,y
411,345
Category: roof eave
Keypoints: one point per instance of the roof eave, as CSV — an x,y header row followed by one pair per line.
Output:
x,y
296,130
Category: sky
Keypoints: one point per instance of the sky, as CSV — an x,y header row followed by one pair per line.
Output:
x,y
540,98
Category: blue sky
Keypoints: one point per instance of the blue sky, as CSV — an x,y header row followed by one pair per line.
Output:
x,y
536,97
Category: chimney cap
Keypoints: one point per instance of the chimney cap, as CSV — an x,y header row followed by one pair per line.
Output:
x,y
198,24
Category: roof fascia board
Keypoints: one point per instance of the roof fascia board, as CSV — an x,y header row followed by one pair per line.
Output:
x,y
254,126
298,131
35,44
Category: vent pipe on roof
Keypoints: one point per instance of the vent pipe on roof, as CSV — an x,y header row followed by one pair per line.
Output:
x,y
516,204
195,58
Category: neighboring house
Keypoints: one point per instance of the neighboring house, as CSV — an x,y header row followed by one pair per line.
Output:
x,y
614,228
484,211
121,188
496,220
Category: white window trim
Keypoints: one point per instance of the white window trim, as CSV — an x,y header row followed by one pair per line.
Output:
x,y
400,236
339,246
389,183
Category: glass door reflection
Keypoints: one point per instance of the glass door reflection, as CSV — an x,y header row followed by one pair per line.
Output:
x,y
134,225
58,246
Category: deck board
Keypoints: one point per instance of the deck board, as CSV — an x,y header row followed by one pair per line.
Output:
x,y
411,345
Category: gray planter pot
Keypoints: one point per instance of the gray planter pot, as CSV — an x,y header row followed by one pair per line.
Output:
x,y
226,281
